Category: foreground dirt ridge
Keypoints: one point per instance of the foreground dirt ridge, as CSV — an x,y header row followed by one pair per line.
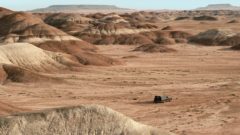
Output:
x,y
82,120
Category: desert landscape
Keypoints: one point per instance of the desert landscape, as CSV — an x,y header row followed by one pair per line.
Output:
x,y
84,63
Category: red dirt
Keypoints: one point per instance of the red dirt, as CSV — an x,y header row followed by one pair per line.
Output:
x,y
4,11
6,108
25,27
84,52
20,75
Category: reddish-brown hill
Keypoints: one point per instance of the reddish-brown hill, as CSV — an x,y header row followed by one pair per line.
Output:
x,y
25,27
84,52
4,11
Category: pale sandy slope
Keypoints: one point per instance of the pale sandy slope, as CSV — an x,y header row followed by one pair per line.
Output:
x,y
82,120
30,57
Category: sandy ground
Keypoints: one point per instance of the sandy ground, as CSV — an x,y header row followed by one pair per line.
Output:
x,y
204,83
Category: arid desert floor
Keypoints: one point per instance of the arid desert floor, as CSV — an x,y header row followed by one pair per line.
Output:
x,y
204,83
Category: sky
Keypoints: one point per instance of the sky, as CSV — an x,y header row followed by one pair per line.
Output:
x,y
134,4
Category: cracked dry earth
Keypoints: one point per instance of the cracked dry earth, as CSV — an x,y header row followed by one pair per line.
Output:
x,y
204,83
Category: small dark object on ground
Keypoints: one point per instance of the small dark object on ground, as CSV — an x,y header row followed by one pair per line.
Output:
x,y
162,99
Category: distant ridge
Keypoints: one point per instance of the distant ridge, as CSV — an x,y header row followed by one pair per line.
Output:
x,y
79,8
83,7
219,7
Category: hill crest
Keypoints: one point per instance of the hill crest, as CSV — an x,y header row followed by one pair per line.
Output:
x,y
79,8
219,7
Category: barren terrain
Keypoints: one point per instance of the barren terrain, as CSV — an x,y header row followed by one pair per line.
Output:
x,y
204,83
121,61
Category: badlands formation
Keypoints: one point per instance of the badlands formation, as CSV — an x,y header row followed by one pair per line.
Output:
x,y
82,120
25,27
122,60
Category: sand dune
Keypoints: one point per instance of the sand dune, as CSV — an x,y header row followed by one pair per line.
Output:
x,y
90,120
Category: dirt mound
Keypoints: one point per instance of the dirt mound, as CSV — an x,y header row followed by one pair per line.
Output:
x,y
68,22
61,18
25,27
211,37
4,11
181,40
110,28
167,37
144,17
231,40
91,38
84,52
20,75
236,47
27,56
165,41
179,34
182,18
139,25
75,120
3,75
117,28
233,21
158,37
96,15
152,48
113,18
114,24
205,18
138,16
168,28
134,39
70,46
122,39
106,40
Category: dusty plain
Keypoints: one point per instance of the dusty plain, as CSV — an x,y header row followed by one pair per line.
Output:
x,y
204,83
